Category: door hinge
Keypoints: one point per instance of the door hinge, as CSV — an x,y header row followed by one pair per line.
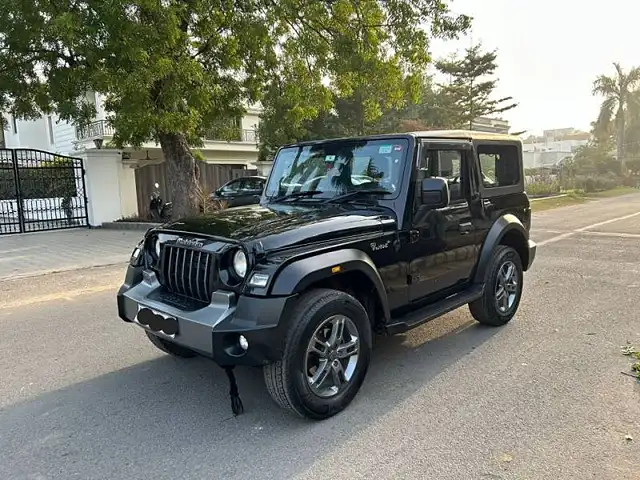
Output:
x,y
414,235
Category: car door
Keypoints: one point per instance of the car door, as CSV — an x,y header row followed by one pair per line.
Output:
x,y
442,239
229,192
250,191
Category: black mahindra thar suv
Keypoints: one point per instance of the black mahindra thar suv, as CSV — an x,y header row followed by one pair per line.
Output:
x,y
352,237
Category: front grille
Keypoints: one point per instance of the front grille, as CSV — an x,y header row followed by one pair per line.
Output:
x,y
188,272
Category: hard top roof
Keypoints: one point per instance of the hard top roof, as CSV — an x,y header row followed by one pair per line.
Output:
x,y
467,135
444,134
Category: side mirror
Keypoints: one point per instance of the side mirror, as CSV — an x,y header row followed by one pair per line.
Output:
x,y
434,192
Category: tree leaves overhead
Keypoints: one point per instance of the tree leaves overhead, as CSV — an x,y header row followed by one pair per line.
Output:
x,y
176,66
165,66
172,69
471,86
349,61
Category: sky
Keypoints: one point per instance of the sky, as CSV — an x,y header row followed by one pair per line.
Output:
x,y
549,53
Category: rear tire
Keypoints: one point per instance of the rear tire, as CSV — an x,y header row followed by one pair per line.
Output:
x,y
326,355
170,348
502,288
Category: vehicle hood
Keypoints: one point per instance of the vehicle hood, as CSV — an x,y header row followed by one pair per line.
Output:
x,y
286,225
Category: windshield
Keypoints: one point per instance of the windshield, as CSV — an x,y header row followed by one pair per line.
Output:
x,y
338,167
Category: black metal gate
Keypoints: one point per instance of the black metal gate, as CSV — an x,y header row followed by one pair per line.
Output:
x,y
41,191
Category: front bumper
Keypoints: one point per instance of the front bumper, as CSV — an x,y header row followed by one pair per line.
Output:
x,y
532,254
211,330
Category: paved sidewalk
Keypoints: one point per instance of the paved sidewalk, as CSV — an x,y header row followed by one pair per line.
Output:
x,y
45,252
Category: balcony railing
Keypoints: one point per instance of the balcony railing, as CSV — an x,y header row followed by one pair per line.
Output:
x,y
97,129
241,135
101,129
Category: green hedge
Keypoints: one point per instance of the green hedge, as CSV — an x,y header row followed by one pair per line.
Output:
x,y
543,188
40,182
592,184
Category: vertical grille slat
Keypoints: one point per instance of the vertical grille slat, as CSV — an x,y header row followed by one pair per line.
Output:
x,y
198,274
191,270
206,274
188,272
184,262
169,263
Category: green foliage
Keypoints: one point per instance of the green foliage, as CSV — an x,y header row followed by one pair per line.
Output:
x,y
471,86
630,351
543,188
174,69
619,102
41,181
361,59
338,117
596,184
593,158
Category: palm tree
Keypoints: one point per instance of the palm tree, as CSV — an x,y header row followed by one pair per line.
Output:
x,y
617,92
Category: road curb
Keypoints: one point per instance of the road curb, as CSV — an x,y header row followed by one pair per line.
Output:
x,y
65,269
136,226
547,198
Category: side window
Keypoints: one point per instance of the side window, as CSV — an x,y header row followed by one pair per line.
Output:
x,y
499,165
247,185
231,187
446,164
252,184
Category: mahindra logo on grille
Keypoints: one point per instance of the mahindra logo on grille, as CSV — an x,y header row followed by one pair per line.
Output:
x,y
189,242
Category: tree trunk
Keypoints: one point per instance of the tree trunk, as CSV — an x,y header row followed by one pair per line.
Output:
x,y
620,140
182,173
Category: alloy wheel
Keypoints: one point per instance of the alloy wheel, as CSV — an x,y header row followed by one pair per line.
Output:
x,y
506,286
332,356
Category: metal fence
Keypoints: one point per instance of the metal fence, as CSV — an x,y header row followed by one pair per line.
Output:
x,y
41,191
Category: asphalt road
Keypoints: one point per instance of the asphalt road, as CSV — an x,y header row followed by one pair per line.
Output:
x,y
84,395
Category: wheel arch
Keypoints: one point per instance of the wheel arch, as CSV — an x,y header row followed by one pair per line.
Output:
x,y
348,270
507,230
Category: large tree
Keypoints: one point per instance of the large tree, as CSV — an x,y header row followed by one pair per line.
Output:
x,y
170,69
471,85
632,132
618,97
370,59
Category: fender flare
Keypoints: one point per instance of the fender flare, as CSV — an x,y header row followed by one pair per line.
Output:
x,y
299,274
500,228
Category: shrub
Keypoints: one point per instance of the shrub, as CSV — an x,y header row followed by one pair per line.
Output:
x,y
592,183
543,188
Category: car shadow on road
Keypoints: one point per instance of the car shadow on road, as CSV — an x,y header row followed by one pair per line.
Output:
x,y
171,418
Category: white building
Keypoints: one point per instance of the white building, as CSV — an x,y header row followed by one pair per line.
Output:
x,y
553,146
49,133
490,125
127,174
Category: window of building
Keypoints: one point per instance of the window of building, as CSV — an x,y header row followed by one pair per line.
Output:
x,y
14,123
499,165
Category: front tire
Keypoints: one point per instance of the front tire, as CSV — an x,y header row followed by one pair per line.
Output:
x,y
326,356
502,289
170,348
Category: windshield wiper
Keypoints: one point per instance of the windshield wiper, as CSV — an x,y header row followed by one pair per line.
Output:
x,y
355,193
307,193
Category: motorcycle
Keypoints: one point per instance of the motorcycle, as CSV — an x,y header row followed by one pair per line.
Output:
x,y
159,210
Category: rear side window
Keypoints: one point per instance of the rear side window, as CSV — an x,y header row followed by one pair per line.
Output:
x,y
232,187
252,184
499,165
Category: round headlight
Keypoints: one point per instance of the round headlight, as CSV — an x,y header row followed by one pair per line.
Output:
x,y
157,247
240,263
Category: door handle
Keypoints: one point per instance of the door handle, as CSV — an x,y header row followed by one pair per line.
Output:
x,y
465,228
